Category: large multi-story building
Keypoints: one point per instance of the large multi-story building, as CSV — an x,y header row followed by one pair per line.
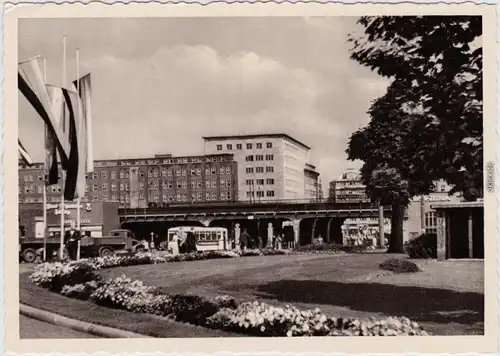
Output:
x,y
137,182
270,166
348,188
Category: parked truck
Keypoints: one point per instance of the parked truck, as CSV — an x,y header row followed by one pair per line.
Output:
x,y
118,241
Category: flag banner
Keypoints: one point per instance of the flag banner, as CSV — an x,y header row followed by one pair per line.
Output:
x,y
24,154
67,105
84,87
51,168
32,85
61,115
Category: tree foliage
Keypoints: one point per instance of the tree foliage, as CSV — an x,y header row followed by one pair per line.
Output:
x,y
428,125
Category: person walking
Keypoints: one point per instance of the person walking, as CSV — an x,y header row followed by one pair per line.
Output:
x,y
244,239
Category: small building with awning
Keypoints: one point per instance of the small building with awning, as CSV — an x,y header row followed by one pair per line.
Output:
x,y
460,230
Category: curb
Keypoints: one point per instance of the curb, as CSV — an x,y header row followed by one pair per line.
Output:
x,y
88,328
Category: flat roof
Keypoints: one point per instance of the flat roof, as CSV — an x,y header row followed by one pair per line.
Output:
x,y
243,137
464,204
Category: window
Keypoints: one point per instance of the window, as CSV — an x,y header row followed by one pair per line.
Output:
x,y
270,181
170,172
214,171
239,146
193,184
259,146
193,196
113,187
430,222
193,171
207,171
269,157
113,198
259,169
219,147
178,172
113,174
127,198
207,196
249,146
228,195
199,184
260,181
222,183
155,172
250,194
122,198
214,196
207,183
141,185
198,171
141,174
104,175
199,196
179,197
184,172
40,189
122,186
249,158
122,174
229,147
213,183
104,187
249,170
260,194
259,157
228,183
228,170
269,169
95,188
223,196
269,145
249,182
95,198
163,172
179,184
184,184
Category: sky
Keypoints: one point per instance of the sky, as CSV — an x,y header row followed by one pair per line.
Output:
x,y
160,84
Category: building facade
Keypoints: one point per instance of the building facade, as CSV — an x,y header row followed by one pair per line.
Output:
x,y
270,166
138,182
348,188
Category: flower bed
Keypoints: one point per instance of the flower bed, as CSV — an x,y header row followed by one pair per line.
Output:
x,y
80,280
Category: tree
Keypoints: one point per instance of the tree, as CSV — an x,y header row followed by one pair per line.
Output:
x,y
428,125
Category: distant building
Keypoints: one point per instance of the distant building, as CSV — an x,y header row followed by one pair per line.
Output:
x,y
139,181
348,188
270,166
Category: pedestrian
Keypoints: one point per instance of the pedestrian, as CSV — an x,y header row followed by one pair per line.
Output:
x,y
279,242
175,244
259,242
244,239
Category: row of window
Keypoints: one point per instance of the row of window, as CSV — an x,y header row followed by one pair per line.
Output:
x,y
248,146
260,194
223,183
259,158
269,181
152,173
250,170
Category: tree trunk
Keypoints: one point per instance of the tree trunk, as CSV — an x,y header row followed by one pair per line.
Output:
x,y
396,241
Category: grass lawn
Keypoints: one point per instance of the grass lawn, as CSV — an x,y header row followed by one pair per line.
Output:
x,y
446,298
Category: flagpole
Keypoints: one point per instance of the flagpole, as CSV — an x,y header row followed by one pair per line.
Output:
x,y
61,247
78,218
45,182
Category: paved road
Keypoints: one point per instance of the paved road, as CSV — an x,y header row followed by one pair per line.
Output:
x,y
35,329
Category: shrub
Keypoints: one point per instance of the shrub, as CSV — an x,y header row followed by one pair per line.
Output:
x,y
399,266
190,309
424,246
55,276
80,291
329,247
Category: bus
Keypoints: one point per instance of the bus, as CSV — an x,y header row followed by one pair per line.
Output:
x,y
207,238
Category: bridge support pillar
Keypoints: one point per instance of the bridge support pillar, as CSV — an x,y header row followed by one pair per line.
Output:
x,y
270,233
327,237
237,231
296,231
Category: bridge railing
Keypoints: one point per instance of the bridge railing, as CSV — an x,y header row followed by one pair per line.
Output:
x,y
283,204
